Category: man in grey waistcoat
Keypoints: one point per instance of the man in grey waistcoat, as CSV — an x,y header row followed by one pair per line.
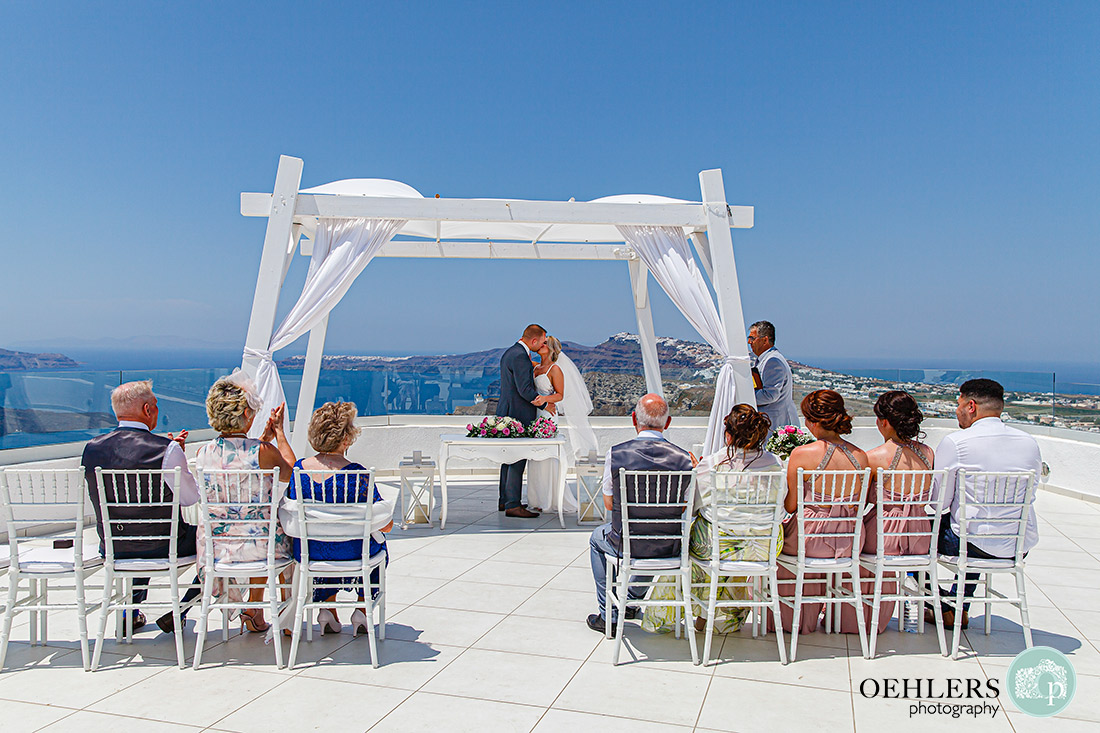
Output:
x,y
650,451
774,396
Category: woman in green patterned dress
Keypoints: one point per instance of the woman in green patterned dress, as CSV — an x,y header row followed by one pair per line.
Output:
x,y
746,430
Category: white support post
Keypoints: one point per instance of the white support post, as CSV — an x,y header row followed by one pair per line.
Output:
x,y
647,340
725,278
703,248
280,224
307,392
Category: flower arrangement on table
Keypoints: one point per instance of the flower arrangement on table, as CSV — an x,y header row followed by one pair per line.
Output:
x,y
784,440
496,427
543,427
509,427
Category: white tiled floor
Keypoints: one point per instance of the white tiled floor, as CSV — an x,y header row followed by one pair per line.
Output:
x,y
486,632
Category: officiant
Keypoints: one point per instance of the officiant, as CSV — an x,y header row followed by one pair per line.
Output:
x,y
774,386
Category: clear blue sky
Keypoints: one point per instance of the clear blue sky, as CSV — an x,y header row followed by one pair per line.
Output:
x,y
925,175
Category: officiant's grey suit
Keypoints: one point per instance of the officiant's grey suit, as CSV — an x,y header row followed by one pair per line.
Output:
x,y
517,392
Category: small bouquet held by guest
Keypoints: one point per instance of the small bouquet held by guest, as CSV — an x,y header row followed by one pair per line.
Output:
x,y
784,440
496,427
543,427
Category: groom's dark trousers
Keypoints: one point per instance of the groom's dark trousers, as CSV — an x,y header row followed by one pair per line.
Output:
x,y
517,391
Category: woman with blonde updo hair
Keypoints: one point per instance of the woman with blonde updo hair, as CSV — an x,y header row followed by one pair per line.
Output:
x,y
827,420
231,406
332,432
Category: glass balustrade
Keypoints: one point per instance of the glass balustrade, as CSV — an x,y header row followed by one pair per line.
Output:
x,y
45,407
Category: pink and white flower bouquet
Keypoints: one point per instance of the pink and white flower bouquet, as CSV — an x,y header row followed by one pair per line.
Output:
x,y
543,427
784,440
496,427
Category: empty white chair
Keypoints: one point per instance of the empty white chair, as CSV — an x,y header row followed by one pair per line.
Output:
x,y
239,507
127,498
907,516
837,499
656,506
349,517
749,508
32,497
1002,513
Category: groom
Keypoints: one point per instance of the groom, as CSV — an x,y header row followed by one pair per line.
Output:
x,y
518,399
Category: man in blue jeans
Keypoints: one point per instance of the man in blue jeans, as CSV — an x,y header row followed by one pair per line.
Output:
x,y
650,451
985,443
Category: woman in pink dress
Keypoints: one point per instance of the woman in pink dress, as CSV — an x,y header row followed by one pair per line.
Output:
x,y
898,420
827,420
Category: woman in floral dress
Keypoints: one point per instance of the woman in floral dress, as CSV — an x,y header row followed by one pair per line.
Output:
x,y
231,406
746,429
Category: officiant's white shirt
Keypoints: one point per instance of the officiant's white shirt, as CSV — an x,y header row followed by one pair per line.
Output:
x,y
174,458
987,445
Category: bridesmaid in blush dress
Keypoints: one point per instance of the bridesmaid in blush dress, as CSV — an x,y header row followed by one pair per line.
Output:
x,y
827,420
898,421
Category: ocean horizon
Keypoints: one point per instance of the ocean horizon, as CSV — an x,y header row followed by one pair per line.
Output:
x,y
1067,373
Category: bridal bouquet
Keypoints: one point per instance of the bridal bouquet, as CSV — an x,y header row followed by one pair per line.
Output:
x,y
784,440
544,427
496,427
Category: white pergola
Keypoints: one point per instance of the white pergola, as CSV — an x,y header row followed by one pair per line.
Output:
x,y
491,229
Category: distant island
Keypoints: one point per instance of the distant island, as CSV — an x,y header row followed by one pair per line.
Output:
x,y
23,360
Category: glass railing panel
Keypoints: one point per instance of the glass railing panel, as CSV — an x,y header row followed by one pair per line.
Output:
x,y
181,395
1077,406
54,406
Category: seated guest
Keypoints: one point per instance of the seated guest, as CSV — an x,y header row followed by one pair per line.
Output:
x,y
331,432
827,420
985,443
898,418
132,445
746,431
650,451
231,406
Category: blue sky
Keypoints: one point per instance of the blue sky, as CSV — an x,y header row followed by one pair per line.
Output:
x,y
924,175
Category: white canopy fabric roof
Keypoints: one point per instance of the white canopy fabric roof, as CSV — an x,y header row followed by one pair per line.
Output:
x,y
487,231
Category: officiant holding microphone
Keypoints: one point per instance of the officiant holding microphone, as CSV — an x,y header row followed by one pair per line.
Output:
x,y
771,377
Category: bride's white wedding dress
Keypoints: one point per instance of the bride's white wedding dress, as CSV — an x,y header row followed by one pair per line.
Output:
x,y
541,487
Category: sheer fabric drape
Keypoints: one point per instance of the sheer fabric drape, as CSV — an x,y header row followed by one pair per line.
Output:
x,y
341,250
667,254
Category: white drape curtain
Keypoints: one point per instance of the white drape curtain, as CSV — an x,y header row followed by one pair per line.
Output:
x,y
667,254
341,249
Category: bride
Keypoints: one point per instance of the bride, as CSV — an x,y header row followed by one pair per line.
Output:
x,y
559,381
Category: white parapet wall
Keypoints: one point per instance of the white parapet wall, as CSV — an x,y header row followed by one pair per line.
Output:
x,y
1073,456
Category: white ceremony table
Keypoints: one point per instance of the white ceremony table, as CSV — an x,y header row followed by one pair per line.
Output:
x,y
501,450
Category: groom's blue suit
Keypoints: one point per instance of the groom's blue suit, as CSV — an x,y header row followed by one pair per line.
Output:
x,y
517,392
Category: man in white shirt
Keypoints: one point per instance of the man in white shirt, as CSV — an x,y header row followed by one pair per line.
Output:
x,y
132,445
985,443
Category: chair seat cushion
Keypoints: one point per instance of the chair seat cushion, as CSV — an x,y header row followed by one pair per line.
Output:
x,y
346,567
242,568
55,560
979,563
888,560
817,563
152,564
656,563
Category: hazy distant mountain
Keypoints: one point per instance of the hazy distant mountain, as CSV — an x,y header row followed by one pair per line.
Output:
x,y
620,354
17,360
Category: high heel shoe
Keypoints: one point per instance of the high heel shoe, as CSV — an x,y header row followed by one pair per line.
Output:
x,y
326,619
358,622
248,621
